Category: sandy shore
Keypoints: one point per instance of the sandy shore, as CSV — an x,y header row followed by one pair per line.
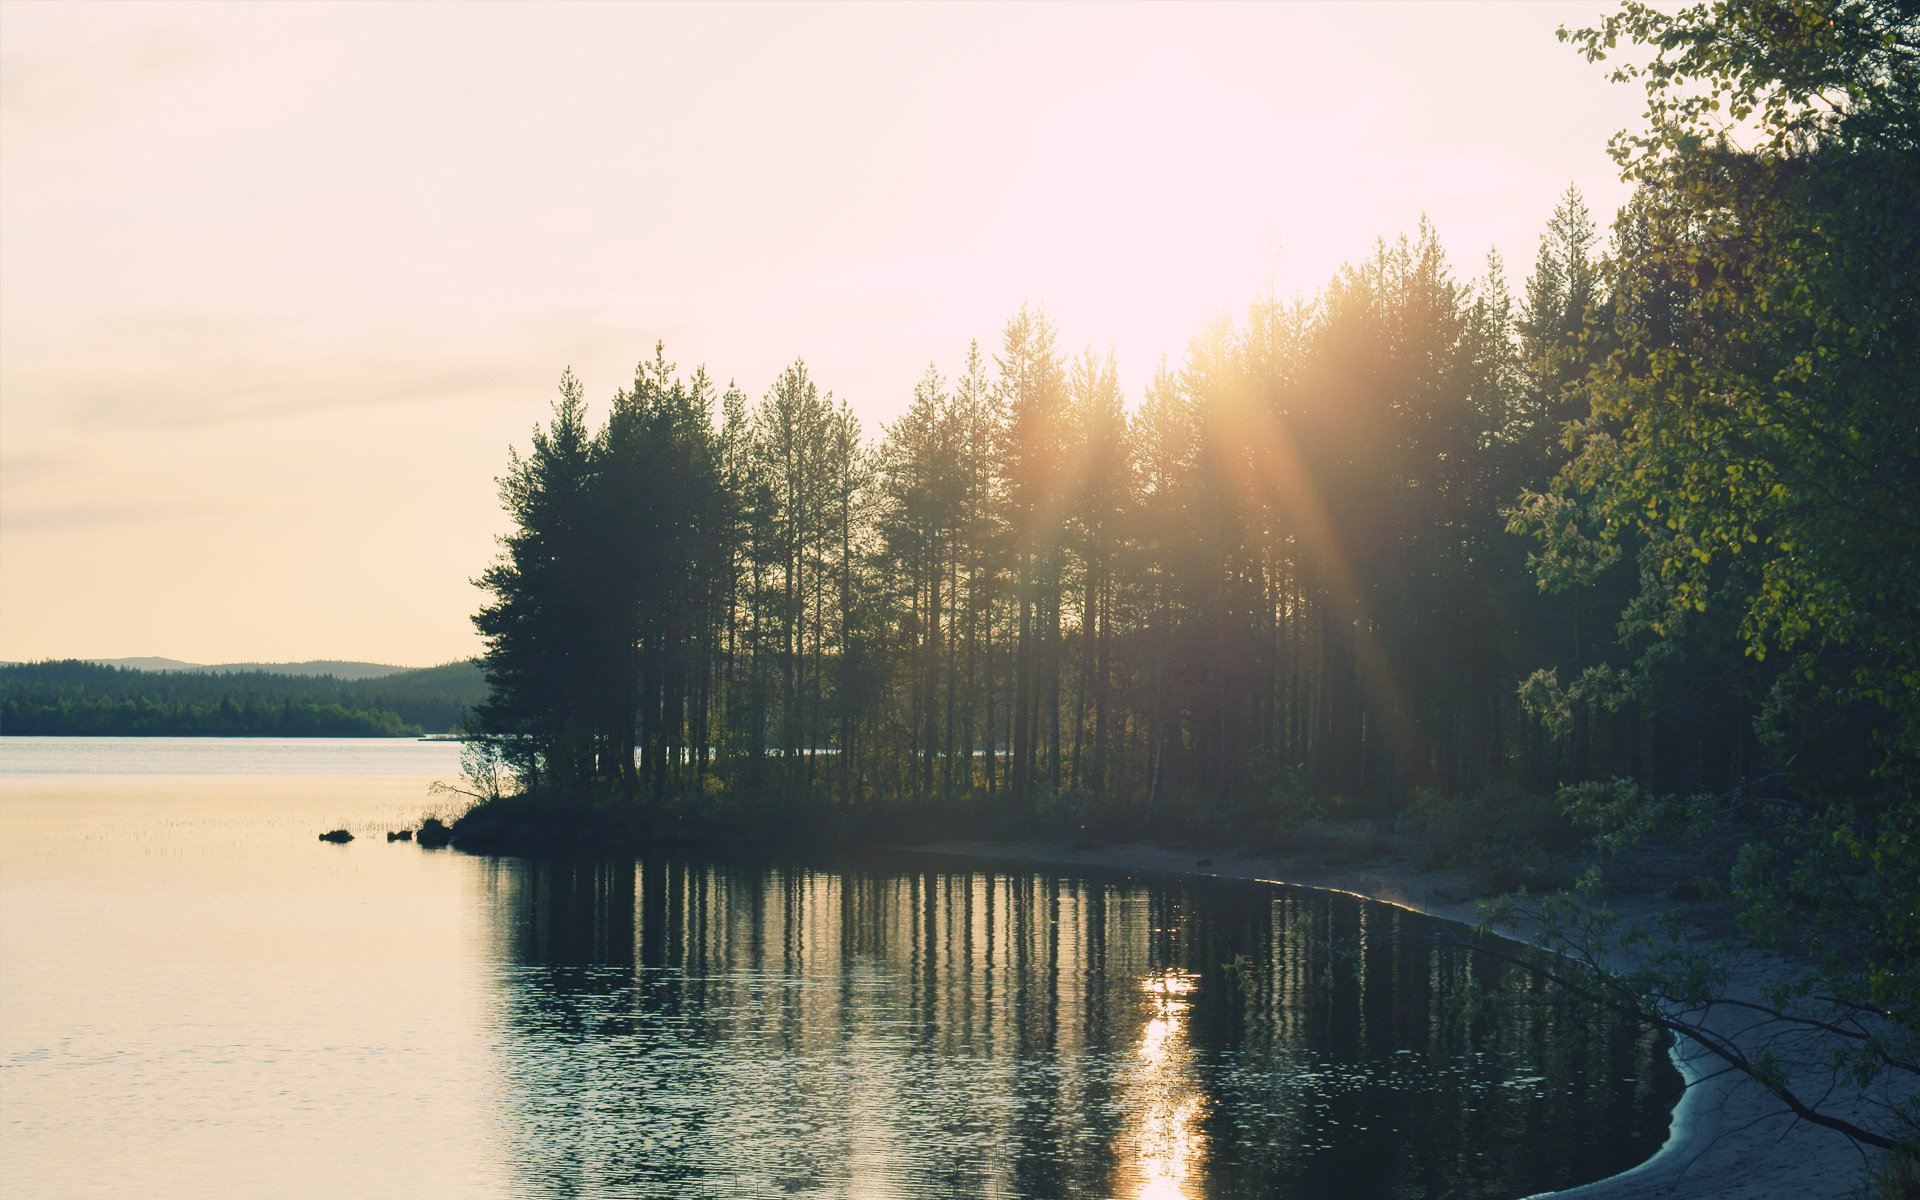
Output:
x,y
1729,1139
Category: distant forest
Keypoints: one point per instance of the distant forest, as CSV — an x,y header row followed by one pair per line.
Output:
x,y
78,698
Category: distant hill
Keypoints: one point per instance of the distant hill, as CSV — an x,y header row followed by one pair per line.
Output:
x,y
74,697
337,669
145,664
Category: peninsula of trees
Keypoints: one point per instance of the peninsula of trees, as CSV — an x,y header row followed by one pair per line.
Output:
x,y
1638,547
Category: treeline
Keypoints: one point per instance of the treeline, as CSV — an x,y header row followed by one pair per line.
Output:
x,y
1650,518
228,718
1283,573
1284,577
78,698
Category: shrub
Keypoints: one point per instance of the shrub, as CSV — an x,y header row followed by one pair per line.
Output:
x,y
1500,833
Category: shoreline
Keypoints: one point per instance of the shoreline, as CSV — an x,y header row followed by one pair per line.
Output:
x,y
1728,1139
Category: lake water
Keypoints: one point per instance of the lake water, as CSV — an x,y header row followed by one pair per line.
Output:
x,y
198,998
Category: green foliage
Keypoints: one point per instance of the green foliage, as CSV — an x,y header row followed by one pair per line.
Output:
x,y
1618,813
1751,446
1793,70
1501,833
1754,431
1753,428
1897,1176
1240,975
1603,687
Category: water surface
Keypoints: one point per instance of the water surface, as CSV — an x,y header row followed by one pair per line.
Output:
x,y
198,998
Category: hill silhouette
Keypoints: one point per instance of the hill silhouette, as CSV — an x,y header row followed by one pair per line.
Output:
x,y
339,669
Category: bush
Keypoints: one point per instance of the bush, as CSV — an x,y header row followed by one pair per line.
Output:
x,y
1500,833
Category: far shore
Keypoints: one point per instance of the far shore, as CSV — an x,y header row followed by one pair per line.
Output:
x,y
283,737
1729,1139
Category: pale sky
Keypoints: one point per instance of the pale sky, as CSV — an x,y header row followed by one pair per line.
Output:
x,y
279,285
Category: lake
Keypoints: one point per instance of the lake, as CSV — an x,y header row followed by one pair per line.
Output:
x,y
199,998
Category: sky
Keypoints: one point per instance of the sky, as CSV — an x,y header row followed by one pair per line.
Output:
x,y
280,284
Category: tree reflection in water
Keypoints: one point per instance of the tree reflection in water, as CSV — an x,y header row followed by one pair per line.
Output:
x,y
709,1028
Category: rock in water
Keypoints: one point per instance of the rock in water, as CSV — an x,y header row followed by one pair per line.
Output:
x,y
336,836
405,835
433,833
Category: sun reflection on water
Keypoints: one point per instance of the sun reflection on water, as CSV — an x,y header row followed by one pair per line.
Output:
x,y
1168,1141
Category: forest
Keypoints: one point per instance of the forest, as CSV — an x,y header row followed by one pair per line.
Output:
x,y
1649,518
74,698
1631,551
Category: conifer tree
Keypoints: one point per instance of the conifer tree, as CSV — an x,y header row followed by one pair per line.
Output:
x,y
536,624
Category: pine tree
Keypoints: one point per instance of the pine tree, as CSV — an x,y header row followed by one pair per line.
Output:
x,y
536,626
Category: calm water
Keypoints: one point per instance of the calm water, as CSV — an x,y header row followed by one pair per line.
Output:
x,y
198,998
